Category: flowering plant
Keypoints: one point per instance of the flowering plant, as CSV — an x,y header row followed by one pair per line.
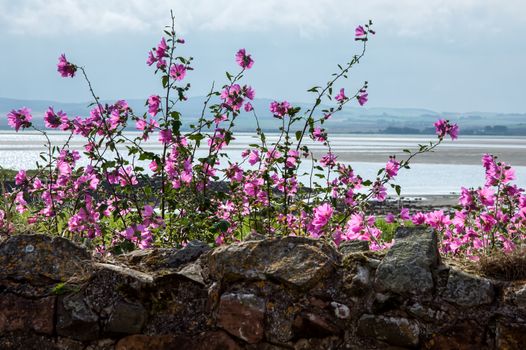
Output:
x,y
118,195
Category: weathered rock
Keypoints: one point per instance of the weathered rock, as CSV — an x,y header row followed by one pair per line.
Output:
x,y
407,267
353,246
510,336
20,314
519,297
179,305
393,330
75,319
167,258
205,341
111,284
314,324
359,283
145,342
341,311
126,318
193,272
28,341
468,290
242,315
297,261
39,260
467,334
328,343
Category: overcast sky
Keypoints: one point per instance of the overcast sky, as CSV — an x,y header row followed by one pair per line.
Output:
x,y
445,55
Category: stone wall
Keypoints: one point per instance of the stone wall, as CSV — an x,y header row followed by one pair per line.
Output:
x,y
283,293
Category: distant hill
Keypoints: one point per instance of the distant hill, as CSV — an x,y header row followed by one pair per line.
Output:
x,y
349,120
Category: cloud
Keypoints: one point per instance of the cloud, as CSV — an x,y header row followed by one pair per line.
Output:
x,y
306,17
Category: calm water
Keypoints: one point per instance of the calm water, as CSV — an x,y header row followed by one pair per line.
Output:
x,y
21,151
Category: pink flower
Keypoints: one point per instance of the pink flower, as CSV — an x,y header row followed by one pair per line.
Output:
x,y
254,157
359,32
437,220
319,134
404,214
392,167
65,68
379,191
419,218
362,98
165,136
389,218
153,104
232,96
178,71
20,177
465,199
248,107
328,160
20,118
279,109
341,96
486,196
321,217
443,128
249,92
153,166
161,49
54,120
244,60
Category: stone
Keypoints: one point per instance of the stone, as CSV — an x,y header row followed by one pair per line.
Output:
x,y
29,341
21,314
466,334
111,284
145,342
341,311
328,343
40,259
193,272
392,330
126,318
353,246
407,267
297,261
242,315
359,283
314,324
168,258
207,341
75,319
178,305
510,336
519,297
468,290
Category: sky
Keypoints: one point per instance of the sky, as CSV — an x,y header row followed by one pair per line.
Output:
x,y
443,55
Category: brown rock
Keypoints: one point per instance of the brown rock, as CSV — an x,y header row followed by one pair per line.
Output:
x,y
29,341
314,324
206,341
145,342
468,290
75,319
179,306
511,336
21,314
40,259
393,330
128,318
242,315
297,261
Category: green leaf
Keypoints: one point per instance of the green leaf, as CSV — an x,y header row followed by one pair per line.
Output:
x,y
298,135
